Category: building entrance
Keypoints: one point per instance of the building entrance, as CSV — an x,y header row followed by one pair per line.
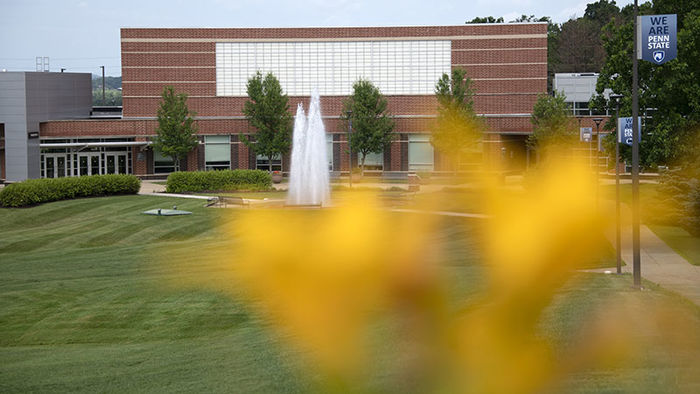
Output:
x,y
55,166
116,163
89,163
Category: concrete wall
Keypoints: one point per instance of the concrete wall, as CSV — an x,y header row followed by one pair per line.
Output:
x,y
576,87
13,113
29,98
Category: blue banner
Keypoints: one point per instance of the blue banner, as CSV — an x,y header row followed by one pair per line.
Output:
x,y
657,38
624,130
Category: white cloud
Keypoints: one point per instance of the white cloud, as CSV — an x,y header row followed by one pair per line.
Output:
x,y
570,12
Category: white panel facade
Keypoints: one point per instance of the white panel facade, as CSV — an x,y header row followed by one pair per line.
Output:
x,y
395,67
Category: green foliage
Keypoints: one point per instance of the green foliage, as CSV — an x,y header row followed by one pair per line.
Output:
x,y
176,127
601,12
531,18
225,180
268,111
111,83
37,191
553,127
673,88
485,19
457,127
679,200
372,125
112,97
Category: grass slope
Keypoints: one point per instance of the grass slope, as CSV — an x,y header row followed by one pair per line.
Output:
x,y
85,306
82,307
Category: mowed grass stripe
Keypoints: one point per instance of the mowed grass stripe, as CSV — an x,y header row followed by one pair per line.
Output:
x,y
39,216
139,313
67,234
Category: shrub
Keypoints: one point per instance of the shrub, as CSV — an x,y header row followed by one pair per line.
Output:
x,y
678,201
226,180
37,191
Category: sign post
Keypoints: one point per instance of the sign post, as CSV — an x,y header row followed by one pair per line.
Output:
x,y
655,41
586,135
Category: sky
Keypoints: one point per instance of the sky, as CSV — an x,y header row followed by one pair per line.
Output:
x,y
82,35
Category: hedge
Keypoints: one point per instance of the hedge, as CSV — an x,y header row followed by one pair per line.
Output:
x,y
199,181
37,191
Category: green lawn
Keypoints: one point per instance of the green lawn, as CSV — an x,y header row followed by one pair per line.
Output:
x,y
679,240
85,306
676,237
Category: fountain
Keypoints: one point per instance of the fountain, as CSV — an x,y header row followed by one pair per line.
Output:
x,y
308,178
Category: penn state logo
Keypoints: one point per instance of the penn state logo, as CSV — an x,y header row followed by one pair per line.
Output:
x,y
659,56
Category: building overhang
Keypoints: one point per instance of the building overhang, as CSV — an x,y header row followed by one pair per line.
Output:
x,y
84,145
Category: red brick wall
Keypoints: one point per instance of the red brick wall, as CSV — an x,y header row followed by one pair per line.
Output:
x,y
144,128
139,161
334,32
507,63
193,160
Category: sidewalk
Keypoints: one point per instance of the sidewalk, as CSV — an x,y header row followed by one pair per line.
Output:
x,y
659,263
148,187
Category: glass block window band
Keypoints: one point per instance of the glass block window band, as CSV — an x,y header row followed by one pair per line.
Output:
x,y
396,67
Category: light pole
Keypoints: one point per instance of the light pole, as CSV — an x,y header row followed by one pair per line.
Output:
x,y
618,231
349,148
636,247
103,84
597,158
579,135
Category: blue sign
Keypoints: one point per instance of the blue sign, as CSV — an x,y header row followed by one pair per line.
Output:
x,y
657,38
624,130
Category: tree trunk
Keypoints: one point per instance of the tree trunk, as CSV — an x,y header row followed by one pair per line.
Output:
x,y
362,165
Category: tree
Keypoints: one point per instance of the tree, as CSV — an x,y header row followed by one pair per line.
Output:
x,y
176,131
553,127
579,47
372,125
485,19
457,127
601,12
268,111
672,90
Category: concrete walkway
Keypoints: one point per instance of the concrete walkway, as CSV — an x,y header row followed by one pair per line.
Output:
x,y
659,263
148,187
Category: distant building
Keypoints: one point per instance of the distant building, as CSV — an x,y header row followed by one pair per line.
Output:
x,y
507,63
579,88
26,100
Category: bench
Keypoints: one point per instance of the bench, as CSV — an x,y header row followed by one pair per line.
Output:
x,y
238,201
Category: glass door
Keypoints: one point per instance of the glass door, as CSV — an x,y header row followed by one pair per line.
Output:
x,y
111,164
60,166
50,163
121,164
95,164
83,165
116,163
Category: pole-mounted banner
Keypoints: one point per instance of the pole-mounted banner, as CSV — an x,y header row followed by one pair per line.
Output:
x,y
657,38
625,130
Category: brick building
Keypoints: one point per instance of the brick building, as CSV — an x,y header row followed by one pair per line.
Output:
x,y
507,63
